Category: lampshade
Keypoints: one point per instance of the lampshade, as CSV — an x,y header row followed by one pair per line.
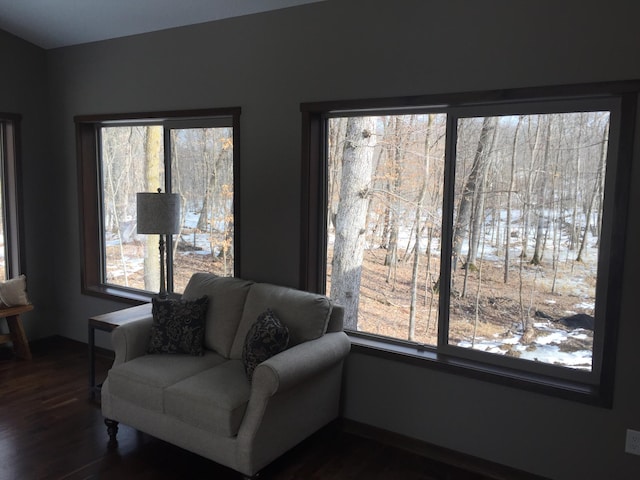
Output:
x,y
158,212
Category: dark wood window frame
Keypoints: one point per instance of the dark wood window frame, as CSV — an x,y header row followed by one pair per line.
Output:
x,y
12,173
313,224
87,144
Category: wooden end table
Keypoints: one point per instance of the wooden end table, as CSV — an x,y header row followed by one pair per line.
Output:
x,y
16,333
108,322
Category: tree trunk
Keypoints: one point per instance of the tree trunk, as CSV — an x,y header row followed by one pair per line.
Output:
x,y
204,217
529,184
395,154
153,181
418,231
336,134
542,202
477,217
357,167
575,229
461,230
507,233
594,193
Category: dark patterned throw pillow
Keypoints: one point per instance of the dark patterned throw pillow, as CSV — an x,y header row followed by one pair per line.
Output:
x,y
266,338
178,326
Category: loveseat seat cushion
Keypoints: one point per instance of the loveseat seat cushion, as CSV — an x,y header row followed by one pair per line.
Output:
x,y
305,314
226,302
142,381
214,400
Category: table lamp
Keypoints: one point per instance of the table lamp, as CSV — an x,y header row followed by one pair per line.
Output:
x,y
159,213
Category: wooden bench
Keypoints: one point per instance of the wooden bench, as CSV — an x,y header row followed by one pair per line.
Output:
x,y
16,331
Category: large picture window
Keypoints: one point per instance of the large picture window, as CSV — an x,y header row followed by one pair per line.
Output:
x,y
192,154
478,231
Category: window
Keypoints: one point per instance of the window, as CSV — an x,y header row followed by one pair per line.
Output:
x,y
473,231
11,262
194,154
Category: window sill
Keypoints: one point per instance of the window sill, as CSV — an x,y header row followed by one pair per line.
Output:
x,y
118,294
427,357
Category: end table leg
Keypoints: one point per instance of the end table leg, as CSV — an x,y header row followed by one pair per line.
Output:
x,y
92,362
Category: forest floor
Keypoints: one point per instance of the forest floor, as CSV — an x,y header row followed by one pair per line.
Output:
x,y
521,313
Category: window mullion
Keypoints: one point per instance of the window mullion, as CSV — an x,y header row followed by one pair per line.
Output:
x,y
168,155
447,230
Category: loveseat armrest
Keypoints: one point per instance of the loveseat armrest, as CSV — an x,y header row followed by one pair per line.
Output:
x,y
293,394
298,363
130,340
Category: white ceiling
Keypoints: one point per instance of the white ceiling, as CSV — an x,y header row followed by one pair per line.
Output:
x,y
59,23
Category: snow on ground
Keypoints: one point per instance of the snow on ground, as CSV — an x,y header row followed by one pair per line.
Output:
x,y
546,348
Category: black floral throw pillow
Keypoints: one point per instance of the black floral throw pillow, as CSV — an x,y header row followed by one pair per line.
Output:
x,y
266,338
178,326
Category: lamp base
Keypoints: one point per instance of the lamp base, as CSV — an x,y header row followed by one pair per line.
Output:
x,y
162,295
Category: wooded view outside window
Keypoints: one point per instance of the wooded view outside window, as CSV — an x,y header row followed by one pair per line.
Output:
x,y
523,212
3,243
195,162
11,262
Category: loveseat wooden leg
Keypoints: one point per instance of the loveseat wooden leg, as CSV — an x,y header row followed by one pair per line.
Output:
x,y
112,430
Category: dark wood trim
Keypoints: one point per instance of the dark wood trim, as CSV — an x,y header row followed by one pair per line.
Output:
x,y
470,463
237,194
313,219
474,98
91,258
618,233
15,255
20,263
402,352
306,238
159,115
313,197
13,117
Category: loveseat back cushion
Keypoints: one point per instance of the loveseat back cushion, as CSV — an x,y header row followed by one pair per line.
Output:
x,y
214,400
227,297
305,314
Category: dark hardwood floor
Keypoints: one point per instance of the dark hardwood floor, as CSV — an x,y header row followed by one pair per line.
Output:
x,y
50,429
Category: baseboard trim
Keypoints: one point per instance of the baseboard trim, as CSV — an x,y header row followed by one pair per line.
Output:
x,y
470,463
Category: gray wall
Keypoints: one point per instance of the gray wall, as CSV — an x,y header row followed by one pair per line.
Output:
x,y
23,90
268,64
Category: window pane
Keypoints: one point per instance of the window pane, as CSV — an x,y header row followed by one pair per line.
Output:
x,y
385,184
132,161
202,172
527,218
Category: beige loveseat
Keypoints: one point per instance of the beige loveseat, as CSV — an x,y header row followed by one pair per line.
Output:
x,y
207,404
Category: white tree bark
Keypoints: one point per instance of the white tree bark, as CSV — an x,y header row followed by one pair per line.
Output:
x,y
153,181
350,222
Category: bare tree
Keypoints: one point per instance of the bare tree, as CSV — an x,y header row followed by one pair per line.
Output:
x,y
394,145
541,202
470,189
153,147
480,194
418,231
357,169
598,186
512,177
